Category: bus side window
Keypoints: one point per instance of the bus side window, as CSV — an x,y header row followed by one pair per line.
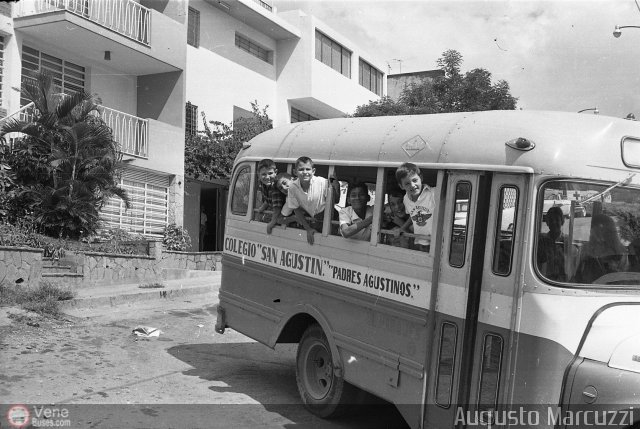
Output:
x,y
395,213
446,364
505,230
490,373
349,177
241,189
265,214
460,225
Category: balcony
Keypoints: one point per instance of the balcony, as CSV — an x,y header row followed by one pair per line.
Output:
x,y
125,17
130,132
120,34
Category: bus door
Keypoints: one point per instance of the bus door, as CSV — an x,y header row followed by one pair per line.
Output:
x,y
457,293
498,303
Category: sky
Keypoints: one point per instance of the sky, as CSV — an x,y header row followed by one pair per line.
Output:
x,y
556,55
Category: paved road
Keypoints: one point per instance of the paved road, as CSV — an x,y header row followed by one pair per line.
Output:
x,y
189,376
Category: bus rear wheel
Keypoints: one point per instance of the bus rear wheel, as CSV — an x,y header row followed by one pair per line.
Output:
x,y
322,390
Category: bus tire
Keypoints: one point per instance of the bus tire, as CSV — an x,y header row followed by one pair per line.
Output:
x,y
322,390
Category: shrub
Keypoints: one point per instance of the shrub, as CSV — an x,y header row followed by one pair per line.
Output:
x,y
42,300
22,234
176,238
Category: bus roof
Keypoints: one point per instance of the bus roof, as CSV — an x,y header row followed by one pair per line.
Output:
x,y
568,144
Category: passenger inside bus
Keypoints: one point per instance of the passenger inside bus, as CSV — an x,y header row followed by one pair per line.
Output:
x,y
285,216
308,196
551,252
356,218
394,217
419,202
272,198
603,254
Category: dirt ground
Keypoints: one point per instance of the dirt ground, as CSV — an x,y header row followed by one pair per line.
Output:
x,y
90,364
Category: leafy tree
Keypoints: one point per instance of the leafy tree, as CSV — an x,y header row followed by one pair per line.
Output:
x,y
210,154
67,161
453,92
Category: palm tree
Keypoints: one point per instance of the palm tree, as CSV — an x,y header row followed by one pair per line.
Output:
x,y
67,158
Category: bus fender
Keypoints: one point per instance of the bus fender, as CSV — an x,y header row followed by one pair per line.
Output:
x,y
313,312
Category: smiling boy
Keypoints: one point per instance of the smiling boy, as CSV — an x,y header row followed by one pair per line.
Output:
x,y
272,198
308,195
419,204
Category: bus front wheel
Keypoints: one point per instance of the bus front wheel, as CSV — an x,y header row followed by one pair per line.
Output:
x,y
323,391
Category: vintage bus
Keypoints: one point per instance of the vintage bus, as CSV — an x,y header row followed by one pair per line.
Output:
x,y
504,320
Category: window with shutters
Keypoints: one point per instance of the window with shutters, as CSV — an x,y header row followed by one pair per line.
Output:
x,y
191,120
254,48
300,116
193,28
67,76
149,211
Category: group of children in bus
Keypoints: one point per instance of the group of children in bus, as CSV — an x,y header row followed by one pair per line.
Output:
x,y
302,200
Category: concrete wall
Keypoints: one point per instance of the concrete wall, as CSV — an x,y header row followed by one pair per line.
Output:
x,y
19,265
166,149
161,97
24,266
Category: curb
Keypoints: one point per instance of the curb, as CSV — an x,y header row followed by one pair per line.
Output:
x,y
133,293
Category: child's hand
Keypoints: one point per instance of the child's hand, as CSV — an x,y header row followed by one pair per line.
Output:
x,y
269,228
397,232
310,233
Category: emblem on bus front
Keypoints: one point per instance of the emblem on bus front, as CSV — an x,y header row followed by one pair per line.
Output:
x,y
413,146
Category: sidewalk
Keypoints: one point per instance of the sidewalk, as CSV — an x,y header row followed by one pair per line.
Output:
x,y
113,295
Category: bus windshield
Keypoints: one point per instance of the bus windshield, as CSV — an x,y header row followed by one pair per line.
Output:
x,y
599,244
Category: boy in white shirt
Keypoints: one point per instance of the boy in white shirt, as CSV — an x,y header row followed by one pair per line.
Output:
x,y
419,202
308,195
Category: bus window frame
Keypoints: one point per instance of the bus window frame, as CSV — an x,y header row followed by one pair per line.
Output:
x,y
252,191
539,207
498,229
466,225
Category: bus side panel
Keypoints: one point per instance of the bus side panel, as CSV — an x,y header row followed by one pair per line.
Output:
x,y
381,343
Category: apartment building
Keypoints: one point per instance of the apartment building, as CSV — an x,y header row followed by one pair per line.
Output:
x,y
132,55
157,65
240,51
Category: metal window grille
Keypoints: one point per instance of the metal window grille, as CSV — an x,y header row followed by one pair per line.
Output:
x,y
300,116
370,77
333,54
193,27
67,77
191,120
149,211
254,49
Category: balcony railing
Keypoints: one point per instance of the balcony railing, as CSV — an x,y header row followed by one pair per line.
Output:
x,y
131,132
125,17
264,5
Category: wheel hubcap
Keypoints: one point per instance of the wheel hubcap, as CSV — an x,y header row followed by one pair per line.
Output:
x,y
318,371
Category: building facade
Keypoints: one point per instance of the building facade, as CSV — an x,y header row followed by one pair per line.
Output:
x,y
133,56
244,51
158,65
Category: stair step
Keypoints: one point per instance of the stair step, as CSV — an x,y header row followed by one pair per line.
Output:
x,y
59,275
